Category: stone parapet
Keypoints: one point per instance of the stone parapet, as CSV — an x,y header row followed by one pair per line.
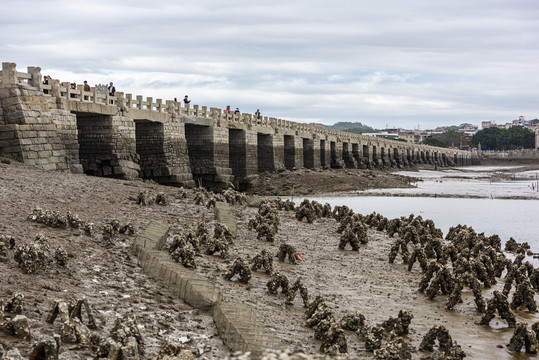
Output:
x,y
125,136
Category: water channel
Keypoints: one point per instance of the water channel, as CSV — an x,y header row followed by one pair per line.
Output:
x,y
481,203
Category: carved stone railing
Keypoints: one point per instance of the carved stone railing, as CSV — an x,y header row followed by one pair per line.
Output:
x,y
10,77
100,95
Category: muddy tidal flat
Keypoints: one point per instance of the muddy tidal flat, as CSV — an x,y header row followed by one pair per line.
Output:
x,y
108,276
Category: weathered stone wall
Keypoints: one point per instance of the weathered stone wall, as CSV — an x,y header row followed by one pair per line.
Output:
x,y
506,157
298,152
347,156
66,128
289,152
199,142
176,171
208,149
238,152
150,140
107,146
27,131
308,153
265,153
237,323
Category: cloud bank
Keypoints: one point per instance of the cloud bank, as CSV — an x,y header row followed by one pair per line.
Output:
x,y
419,63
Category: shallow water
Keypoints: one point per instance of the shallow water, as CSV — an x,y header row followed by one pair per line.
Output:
x,y
469,183
507,218
490,214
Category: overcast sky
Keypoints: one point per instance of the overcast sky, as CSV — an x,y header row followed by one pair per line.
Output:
x,y
384,63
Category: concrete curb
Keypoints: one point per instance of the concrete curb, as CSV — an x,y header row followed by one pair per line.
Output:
x,y
224,215
237,323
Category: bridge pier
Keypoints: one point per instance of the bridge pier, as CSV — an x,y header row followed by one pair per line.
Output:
x,y
208,150
385,157
357,156
294,157
349,161
317,152
325,154
267,147
162,149
367,156
107,146
308,153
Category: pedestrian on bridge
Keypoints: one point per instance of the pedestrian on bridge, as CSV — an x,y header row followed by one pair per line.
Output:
x,y
112,90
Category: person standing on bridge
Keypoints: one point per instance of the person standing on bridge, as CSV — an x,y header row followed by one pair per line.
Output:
x,y
112,90
46,82
86,89
257,114
186,100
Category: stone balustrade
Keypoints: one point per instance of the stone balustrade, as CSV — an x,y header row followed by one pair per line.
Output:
x,y
33,78
172,142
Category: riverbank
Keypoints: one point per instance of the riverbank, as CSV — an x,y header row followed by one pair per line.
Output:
x,y
305,182
475,182
106,273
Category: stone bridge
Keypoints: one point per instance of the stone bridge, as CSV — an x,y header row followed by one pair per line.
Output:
x,y
55,127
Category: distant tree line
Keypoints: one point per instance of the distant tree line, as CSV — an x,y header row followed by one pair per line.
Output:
x,y
515,137
449,138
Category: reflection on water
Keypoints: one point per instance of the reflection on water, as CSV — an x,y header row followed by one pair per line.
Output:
x,y
507,218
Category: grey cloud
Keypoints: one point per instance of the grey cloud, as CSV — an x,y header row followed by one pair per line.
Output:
x,y
384,61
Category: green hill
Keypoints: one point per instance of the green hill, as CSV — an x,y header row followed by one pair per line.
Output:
x,y
353,127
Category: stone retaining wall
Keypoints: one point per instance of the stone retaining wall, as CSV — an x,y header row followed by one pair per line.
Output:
x,y
237,323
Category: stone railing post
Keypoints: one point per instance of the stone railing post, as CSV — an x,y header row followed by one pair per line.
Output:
x,y
195,108
9,74
205,111
55,87
171,109
159,105
129,101
35,73
68,90
139,102
149,103
96,91
187,109
120,100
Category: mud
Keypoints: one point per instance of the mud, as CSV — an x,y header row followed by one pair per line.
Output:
x,y
106,274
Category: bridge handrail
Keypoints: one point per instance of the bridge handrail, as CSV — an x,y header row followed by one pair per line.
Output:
x,y
9,77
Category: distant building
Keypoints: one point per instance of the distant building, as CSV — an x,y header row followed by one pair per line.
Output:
x,y
381,134
467,128
409,136
487,124
422,135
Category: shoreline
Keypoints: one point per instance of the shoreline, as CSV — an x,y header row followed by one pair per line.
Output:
x,y
424,195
